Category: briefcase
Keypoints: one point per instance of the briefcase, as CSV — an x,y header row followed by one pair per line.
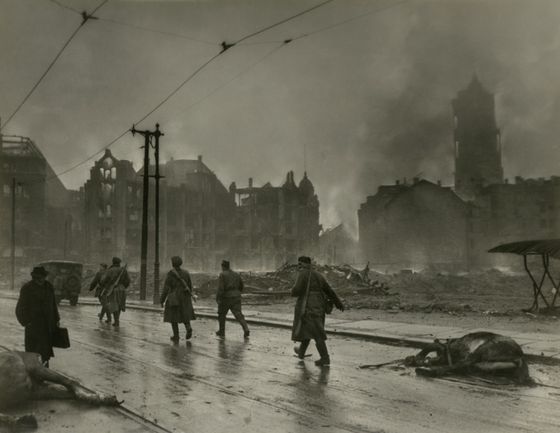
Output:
x,y
60,338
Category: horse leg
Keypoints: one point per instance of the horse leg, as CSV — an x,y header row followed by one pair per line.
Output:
x,y
439,371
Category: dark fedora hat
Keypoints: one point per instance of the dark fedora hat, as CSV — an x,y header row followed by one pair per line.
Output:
x,y
116,261
304,259
40,271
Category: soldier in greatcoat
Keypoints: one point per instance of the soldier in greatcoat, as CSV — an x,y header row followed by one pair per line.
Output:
x,y
36,309
230,286
96,285
114,284
177,299
312,290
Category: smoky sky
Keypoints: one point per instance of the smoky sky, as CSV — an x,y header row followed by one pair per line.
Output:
x,y
369,100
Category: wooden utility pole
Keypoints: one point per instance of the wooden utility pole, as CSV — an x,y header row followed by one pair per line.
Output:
x,y
13,246
145,200
157,177
145,196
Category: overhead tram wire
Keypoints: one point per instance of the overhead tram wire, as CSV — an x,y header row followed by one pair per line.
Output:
x,y
271,52
64,6
286,41
86,17
225,47
331,26
162,32
357,17
235,77
267,28
169,96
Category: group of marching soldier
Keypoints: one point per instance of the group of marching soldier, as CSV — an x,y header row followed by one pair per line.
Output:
x,y
315,298
110,286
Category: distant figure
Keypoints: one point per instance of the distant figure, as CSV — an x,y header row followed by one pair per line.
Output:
x,y
312,291
37,310
96,284
177,296
230,286
114,284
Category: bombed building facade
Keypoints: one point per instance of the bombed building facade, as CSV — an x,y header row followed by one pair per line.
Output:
x,y
424,224
414,226
200,219
273,225
48,221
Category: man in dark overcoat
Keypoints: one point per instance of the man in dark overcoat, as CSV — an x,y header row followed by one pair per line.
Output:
x,y
96,285
114,284
36,309
177,297
312,290
230,286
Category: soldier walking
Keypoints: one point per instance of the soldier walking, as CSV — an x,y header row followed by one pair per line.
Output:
x,y
96,284
177,297
230,286
313,293
114,284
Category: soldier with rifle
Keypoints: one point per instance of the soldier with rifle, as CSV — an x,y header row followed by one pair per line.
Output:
x,y
315,299
114,284
176,298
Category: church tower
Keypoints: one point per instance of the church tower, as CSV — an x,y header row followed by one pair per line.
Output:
x,y
478,147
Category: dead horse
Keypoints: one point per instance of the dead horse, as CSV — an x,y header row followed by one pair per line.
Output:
x,y
477,352
24,378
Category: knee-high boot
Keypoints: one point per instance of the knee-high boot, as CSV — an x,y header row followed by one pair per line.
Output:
x,y
175,328
221,332
300,351
323,352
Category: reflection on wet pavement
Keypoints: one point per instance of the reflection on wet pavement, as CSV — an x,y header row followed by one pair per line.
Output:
x,y
209,384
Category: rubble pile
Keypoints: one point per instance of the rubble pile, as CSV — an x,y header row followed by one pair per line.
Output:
x,y
345,279
490,292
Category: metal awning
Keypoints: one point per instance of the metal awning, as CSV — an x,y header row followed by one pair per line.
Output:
x,y
549,247
545,248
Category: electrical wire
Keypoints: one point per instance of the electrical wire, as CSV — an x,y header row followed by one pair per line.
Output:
x,y
62,5
244,71
213,58
357,17
290,18
262,59
28,95
177,35
189,78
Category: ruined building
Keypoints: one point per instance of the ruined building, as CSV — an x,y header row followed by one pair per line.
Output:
x,y
273,225
523,210
195,210
48,225
478,146
420,225
200,219
414,226
113,203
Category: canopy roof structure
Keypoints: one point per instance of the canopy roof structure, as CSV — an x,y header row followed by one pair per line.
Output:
x,y
546,248
550,247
